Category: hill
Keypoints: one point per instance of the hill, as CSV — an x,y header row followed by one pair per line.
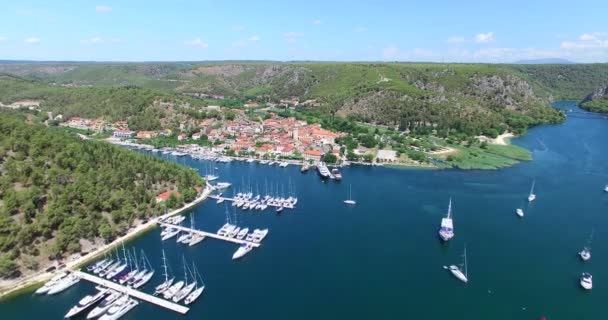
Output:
x,y
596,101
59,193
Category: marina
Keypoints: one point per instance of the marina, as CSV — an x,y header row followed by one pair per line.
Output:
x,y
210,235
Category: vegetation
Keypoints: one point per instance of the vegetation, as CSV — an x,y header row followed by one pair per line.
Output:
x,y
56,190
596,105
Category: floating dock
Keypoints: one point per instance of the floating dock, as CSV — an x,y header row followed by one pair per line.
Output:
x,y
232,200
134,293
209,234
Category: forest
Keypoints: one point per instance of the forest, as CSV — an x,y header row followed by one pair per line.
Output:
x,y
57,190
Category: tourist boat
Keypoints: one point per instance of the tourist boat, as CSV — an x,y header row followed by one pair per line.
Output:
x,y
305,168
119,308
168,281
64,284
104,305
586,281
242,250
242,233
336,173
350,197
446,230
458,272
198,290
323,170
532,196
51,283
87,302
519,212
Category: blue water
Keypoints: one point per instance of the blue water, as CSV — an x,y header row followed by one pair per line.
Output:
x,y
382,259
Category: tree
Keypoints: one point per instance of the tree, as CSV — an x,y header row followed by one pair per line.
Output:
x,y
7,267
329,158
368,157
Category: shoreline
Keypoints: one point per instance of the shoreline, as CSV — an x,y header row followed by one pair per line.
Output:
x,y
33,281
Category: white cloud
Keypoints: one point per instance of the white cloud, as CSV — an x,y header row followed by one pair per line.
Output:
x,y
254,38
455,39
240,43
3,39
92,40
484,37
360,29
103,8
596,40
316,22
292,36
393,53
196,43
32,40
390,53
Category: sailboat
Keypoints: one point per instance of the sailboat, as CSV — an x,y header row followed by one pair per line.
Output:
x,y
585,254
147,275
446,230
176,287
457,271
187,289
168,281
532,196
198,290
350,197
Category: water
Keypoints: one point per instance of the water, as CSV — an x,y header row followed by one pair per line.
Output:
x,y
383,259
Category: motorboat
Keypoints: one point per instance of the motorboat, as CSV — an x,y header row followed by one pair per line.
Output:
x,y
64,284
211,177
520,212
242,250
104,305
336,173
586,281
51,283
585,254
87,302
119,308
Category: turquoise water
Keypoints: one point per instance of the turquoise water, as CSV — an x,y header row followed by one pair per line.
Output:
x,y
382,259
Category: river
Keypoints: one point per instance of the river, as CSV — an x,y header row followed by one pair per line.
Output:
x,y
382,258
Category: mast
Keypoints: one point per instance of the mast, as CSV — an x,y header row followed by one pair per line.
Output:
x,y
532,189
350,194
165,266
450,209
465,261
185,270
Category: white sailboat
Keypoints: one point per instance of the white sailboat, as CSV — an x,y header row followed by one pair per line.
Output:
x,y
147,275
446,230
198,290
458,272
532,196
168,281
188,287
350,197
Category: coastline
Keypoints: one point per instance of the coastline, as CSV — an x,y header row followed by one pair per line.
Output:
x,y
32,282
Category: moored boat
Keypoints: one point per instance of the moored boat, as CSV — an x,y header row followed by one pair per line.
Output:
x,y
51,283
64,284
87,302
104,305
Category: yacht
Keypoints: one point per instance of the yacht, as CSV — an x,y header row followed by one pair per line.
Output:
x,y
532,196
223,185
51,283
446,231
350,200
232,233
336,173
220,200
188,287
64,284
458,272
170,234
242,250
520,212
119,308
323,171
197,291
168,281
196,238
211,177
87,302
283,164
585,254
259,235
305,168
587,281
104,305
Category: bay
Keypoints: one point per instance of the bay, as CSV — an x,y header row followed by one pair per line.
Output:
x,y
382,258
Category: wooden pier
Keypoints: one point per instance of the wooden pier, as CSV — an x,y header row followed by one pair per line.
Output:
x,y
211,235
134,293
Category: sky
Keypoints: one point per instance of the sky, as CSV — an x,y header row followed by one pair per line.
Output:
x,y
379,30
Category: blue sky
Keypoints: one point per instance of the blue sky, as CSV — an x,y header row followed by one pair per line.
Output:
x,y
459,31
